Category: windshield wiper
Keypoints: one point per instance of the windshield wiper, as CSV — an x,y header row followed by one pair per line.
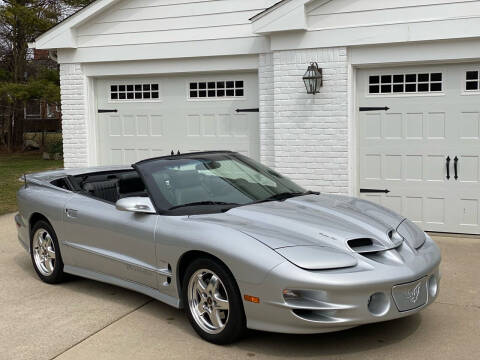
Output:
x,y
286,195
201,203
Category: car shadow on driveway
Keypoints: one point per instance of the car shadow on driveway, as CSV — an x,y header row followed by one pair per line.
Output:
x,y
77,284
356,340
359,339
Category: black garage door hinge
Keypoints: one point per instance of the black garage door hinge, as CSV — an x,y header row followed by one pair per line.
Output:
x,y
248,110
374,191
385,108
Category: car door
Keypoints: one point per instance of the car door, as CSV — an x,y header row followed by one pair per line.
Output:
x,y
111,242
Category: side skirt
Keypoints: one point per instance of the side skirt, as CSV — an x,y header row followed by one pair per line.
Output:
x,y
169,300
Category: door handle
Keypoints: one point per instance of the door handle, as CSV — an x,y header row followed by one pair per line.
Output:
x,y
103,111
248,110
71,213
369,108
448,167
455,167
374,191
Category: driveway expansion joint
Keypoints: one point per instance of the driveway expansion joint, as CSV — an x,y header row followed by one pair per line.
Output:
x,y
102,328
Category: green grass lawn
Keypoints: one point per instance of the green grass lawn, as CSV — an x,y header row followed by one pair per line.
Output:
x,y
12,166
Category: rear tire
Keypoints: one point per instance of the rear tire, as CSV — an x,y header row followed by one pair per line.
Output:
x,y
212,302
45,253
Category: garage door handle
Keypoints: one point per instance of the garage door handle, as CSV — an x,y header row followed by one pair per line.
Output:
x,y
374,191
448,167
369,108
102,111
248,110
455,167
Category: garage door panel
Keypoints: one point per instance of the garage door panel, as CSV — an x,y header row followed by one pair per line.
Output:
x,y
156,125
157,115
414,126
405,149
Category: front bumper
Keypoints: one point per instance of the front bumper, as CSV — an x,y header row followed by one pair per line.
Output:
x,y
340,299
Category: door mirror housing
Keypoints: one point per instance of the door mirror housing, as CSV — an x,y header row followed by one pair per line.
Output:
x,y
141,205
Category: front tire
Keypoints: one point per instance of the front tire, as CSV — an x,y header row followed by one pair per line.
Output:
x,y
45,253
212,302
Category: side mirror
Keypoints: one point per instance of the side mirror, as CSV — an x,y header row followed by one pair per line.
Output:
x,y
142,205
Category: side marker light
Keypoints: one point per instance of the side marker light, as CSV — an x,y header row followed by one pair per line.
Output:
x,y
251,298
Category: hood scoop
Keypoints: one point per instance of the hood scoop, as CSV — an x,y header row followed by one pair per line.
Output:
x,y
370,246
364,246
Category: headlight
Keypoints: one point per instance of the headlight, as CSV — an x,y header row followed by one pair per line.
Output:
x,y
317,257
412,234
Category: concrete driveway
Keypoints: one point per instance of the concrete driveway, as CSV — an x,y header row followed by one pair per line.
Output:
x,y
83,319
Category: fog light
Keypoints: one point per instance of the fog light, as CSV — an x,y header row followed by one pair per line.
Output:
x,y
432,286
378,304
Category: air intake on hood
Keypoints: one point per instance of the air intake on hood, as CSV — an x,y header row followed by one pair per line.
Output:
x,y
365,245
356,243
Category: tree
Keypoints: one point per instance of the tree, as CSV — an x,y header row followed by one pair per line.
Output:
x,y
21,21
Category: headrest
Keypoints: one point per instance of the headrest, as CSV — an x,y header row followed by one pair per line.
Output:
x,y
100,185
131,182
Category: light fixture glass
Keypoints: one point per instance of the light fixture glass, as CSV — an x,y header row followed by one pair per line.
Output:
x,y
313,78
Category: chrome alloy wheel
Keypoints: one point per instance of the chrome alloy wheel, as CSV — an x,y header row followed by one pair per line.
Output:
x,y
208,301
43,252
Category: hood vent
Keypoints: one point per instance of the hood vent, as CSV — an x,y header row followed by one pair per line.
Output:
x,y
364,245
359,243
367,246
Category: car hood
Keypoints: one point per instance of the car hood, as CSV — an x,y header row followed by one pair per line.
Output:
x,y
311,220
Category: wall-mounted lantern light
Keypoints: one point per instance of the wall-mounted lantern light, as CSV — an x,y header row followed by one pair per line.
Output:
x,y
313,78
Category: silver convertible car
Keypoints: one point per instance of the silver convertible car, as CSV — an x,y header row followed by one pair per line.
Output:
x,y
234,243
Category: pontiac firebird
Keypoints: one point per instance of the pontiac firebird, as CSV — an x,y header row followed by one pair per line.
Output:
x,y
234,243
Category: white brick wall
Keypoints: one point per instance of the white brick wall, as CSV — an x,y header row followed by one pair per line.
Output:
x,y
266,94
74,115
310,133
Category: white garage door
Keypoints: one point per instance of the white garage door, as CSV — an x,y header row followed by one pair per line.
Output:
x,y
433,120
140,118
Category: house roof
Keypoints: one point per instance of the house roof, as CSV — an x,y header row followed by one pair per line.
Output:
x,y
268,10
63,31
285,15
64,35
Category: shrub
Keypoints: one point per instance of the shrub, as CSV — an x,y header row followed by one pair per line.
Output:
x,y
55,147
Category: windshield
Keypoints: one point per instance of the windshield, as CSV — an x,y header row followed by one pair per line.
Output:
x,y
212,180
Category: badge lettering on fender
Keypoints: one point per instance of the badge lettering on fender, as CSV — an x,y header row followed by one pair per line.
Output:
x,y
138,269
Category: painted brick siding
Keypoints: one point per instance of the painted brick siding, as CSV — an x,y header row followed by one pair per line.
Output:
x,y
74,115
310,131
266,101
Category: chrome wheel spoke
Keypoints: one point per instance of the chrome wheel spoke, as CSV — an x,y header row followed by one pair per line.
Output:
x,y
49,265
48,240
51,253
200,308
221,304
212,285
40,238
215,319
200,284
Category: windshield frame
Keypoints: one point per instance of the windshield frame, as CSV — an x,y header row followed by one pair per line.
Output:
x,y
144,168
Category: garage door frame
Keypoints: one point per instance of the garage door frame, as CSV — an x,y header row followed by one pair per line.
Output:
x,y
92,71
391,55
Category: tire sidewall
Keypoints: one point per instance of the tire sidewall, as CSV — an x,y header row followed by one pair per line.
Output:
x,y
57,275
236,323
